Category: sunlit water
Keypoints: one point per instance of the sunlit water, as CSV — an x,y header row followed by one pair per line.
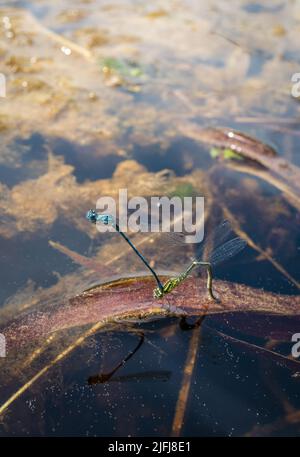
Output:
x,y
231,77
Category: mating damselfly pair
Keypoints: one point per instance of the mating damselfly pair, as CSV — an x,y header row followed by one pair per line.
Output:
x,y
219,250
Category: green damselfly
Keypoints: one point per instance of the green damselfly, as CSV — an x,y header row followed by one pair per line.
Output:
x,y
219,251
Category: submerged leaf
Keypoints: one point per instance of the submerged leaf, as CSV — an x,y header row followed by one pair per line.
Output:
x,y
133,298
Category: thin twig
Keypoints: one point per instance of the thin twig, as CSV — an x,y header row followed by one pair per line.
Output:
x,y
186,383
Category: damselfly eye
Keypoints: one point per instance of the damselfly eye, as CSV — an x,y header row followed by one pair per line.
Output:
x,y
157,293
91,216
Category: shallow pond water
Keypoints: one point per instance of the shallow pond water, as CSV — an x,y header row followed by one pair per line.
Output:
x,y
97,94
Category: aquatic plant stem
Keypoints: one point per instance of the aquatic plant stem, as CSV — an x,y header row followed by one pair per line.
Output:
x,y
53,362
186,383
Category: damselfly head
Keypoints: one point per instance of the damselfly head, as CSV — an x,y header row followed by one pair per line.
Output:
x,y
157,293
91,216
94,217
